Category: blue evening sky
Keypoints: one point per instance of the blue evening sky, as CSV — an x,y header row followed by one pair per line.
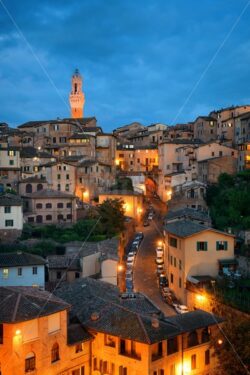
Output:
x,y
140,59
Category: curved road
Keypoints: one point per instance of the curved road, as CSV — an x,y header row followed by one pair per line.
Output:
x,y
145,278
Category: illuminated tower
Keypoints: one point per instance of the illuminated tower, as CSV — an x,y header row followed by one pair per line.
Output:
x,y
76,97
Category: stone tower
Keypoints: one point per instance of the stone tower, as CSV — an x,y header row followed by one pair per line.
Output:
x,y
76,97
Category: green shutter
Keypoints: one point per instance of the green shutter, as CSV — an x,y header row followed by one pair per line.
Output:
x,y
225,245
217,245
197,246
205,246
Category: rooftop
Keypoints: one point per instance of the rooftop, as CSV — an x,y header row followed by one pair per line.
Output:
x,y
19,304
10,200
186,228
69,262
187,213
20,259
98,306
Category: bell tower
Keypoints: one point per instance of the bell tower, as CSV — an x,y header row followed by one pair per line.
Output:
x,y
76,97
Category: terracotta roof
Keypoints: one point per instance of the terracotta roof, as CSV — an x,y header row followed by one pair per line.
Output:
x,y
20,259
19,304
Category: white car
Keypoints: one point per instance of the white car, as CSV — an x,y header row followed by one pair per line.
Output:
x,y
131,254
180,309
130,259
159,261
150,216
159,252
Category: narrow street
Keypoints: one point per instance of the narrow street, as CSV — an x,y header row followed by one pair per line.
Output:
x,y
145,277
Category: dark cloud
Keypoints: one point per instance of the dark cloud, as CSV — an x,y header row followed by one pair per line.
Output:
x,y
140,59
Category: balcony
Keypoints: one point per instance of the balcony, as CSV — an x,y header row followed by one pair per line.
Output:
x,y
156,356
132,355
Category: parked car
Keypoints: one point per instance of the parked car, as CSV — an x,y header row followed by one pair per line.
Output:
x,y
163,281
159,252
128,273
129,277
131,254
146,223
159,260
130,259
136,244
139,236
132,251
160,269
150,216
129,285
180,309
130,266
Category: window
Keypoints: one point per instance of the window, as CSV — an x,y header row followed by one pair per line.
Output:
x,y
69,205
173,242
201,246
221,245
95,364
48,217
171,260
192,339
109,341
9,223
11,153
19,271
39,219
28,188
11,162
122,346
58,274
39,187
174,261
171,278
193,362
59,187
34,270
172,345
180,265
48,205
205,337
7,210
59,217
69,217
55,353
67,187
31,219
39,205
207,357
77,275
67,176
58,176
122,370
1,333
79,348
179,282
30,362
59,205
161,372
220,153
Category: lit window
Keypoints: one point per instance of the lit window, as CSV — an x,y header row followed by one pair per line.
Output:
x,y
30,362
5,273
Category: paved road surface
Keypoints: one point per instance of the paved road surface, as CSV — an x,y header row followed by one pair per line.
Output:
x,y
145,278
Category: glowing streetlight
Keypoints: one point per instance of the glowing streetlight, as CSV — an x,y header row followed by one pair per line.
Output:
x,y
220,342
200,298
120,267
160,243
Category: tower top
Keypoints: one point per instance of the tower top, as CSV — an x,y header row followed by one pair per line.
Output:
x,y
76,73
76,97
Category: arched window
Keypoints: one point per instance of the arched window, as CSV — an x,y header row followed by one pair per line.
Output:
x,y
55,353
30,362
28,188
48,217
39,219
48,205
192,193
59,205
39,205
39,187
192,339
59,217
205,337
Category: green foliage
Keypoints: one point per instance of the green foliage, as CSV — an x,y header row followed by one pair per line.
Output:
x,y
229,201
123,183
238,335
112,216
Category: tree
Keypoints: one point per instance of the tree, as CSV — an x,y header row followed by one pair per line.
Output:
x,y
112,217
123,183
238,334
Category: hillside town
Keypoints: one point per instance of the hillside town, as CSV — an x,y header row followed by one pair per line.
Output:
x,y
123,252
